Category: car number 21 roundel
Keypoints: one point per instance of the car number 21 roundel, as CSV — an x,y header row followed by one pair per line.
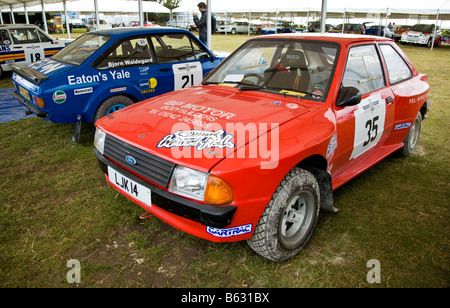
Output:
x,y
187,74
369,124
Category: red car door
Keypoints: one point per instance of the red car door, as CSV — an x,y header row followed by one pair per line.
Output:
x,y
362,129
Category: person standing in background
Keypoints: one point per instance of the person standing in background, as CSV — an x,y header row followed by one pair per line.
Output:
x,y
201,22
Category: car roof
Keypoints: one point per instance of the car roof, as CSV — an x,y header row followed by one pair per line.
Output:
x,y
17,25
124,31
341,38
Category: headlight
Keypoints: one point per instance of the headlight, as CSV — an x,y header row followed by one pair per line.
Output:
x,y
99,140
200,186
188,183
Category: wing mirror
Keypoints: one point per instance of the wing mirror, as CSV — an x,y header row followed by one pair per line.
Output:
x,y
348,96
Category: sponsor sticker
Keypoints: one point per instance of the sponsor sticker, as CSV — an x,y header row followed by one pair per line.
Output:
x,y
199,139
59,97
118,90
83,91
234,231
402,126
332,146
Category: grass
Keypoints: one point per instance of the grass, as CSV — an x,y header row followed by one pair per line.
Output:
x,y
55,206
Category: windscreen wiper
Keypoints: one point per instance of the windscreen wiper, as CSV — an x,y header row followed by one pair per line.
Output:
x,y
246,86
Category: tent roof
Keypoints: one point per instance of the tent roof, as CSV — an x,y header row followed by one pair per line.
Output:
x,y
19,3
109,6
335,8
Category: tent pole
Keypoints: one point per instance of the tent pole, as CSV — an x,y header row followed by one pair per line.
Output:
x,y
323,18
307,21
96,14
27,21
12,14
435,27
208,24
44,19
67,19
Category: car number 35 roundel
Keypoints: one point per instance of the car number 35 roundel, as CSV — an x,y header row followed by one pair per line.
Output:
x,y
369,124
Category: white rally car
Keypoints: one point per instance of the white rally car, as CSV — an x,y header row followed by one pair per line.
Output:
x,y
26,43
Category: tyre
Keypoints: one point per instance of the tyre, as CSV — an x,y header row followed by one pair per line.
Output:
x,y
410,142
111,105
233,31
289,219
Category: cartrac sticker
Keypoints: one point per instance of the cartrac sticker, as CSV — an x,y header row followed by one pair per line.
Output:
x,y
200,139
234,231
59,97
187,74
369,124
403,126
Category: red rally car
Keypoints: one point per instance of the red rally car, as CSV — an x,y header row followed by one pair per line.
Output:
x,y
255,151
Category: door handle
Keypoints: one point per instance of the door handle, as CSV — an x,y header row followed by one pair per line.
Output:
x,y
389,100
164,69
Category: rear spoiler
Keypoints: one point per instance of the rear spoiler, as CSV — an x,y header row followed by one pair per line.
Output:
x,y
29,74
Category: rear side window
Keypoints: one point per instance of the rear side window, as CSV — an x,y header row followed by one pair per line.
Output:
x,y
177,47
4,38
363,70
397,68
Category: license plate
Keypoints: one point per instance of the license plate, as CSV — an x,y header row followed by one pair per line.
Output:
x,y
24,93
130,187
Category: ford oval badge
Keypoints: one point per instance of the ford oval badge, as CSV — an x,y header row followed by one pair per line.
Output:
x,y
131,160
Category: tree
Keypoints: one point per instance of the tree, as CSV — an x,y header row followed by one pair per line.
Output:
x,y
171,5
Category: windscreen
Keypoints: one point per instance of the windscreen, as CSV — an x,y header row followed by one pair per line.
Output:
x,y
293,67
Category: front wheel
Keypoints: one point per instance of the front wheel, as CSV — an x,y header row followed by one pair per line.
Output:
x,y
111,105
289,219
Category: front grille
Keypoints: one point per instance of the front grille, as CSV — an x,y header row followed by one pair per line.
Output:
x,y
147,165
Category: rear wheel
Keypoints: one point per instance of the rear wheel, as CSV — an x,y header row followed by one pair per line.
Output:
x,y
111,105
289,219
410,142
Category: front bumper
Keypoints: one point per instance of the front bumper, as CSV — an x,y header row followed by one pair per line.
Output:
x,y
208,215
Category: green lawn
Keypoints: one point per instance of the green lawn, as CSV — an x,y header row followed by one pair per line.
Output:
x,y
55,206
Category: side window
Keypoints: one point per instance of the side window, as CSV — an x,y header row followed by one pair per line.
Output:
x,y
363,70
177,47
24,36
398,70
130,52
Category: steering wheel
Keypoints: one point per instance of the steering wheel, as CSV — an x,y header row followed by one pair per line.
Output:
x,y
253,79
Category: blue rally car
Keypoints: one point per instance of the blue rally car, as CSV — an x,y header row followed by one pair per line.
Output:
x,y
106,70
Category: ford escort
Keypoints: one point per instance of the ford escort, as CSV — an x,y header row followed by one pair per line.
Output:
x,y
257,149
